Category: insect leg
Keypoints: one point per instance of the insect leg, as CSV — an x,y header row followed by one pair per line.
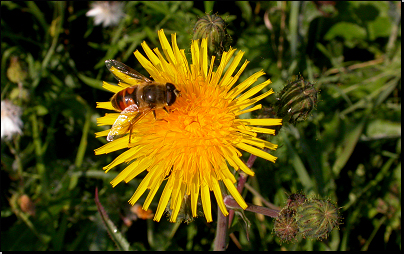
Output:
x,y
136,119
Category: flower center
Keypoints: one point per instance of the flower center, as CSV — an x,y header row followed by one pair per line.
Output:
x,y
204,114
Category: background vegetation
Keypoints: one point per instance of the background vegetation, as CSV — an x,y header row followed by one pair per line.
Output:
x,y
349,149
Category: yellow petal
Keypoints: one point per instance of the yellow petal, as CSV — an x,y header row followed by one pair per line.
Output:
x,y
219,197
101,134
178,203
105,105
165,197
194,194
116,145
206,205
256,107
256,151
244,85
141,189
236,195
263,122
156,184
149,53
108,119
254,90
111,88
168,52
263,130
225,80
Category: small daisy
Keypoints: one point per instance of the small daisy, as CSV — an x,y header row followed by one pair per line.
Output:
x,y
10,120
108,13
191,147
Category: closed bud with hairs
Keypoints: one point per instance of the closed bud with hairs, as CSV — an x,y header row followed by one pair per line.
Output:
x,y
213,28
317,218
310,218
285,226
296,101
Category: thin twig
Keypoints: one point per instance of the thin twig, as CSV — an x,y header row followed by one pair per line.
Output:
x,y
356,66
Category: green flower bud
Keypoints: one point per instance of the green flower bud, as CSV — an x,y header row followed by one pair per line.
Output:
x,y
317,218
16,72
213,28
296,101
285,226
295,200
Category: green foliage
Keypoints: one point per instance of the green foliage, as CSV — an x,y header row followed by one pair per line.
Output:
x,y
348,149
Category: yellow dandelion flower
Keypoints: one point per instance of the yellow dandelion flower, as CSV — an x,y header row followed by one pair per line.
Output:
x,y
191,146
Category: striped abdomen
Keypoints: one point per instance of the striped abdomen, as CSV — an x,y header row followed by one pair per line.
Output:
x,y
125,98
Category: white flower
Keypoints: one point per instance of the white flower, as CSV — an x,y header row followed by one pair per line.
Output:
x,y
108,13
10,119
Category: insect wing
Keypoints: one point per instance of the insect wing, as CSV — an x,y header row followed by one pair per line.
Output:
x,y
124,73
124,122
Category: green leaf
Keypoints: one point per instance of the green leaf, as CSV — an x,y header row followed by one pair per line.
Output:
x,y
58,239
350,139
346,30
381,27
90,81
245,8
381,128
298,164
158,6
41,110
33,8
83,142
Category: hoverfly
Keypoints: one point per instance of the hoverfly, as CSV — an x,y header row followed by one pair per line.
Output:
x,y
136,101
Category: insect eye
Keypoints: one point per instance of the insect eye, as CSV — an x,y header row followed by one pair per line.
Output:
x,y
171,96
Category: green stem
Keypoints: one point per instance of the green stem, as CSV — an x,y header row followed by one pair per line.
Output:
x,y
18,159
39,156
83,142
372,235
293,24
15,150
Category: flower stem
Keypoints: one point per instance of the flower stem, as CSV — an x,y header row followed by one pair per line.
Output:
x,y
232,204
221,232
40,165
